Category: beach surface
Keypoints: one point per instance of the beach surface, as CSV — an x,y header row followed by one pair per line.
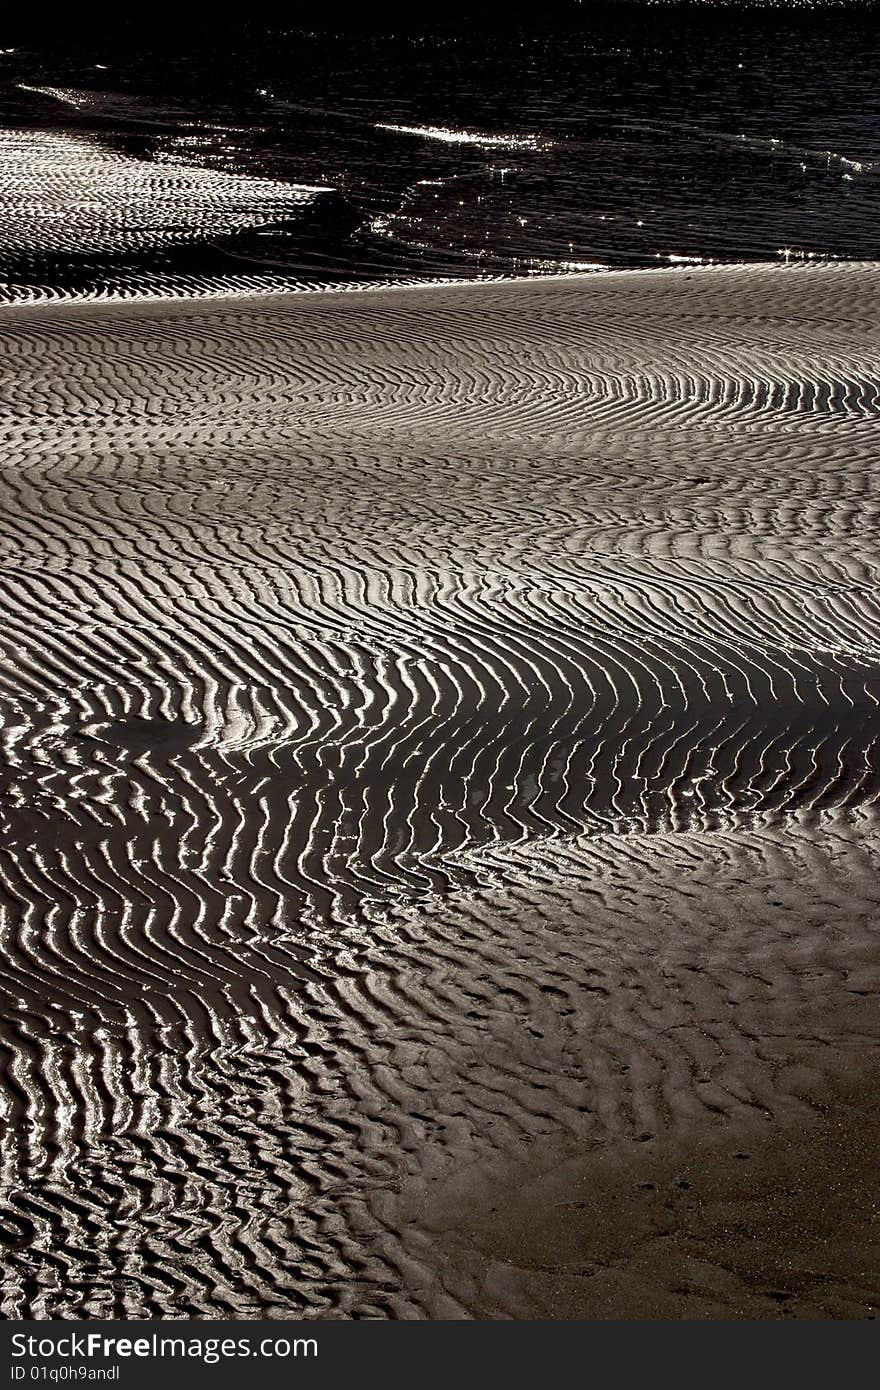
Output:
x,y
439,801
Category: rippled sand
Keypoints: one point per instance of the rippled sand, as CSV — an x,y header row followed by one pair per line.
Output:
x,y
439,801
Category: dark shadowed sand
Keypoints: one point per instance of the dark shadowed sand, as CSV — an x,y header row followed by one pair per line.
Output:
x,y
439,801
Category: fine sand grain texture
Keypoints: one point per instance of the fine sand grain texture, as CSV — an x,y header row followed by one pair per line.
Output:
x,y
438,797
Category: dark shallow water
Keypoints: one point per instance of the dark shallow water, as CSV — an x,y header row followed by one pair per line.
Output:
x,y
633,137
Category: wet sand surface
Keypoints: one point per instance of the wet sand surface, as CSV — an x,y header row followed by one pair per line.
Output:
x,y
439,801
